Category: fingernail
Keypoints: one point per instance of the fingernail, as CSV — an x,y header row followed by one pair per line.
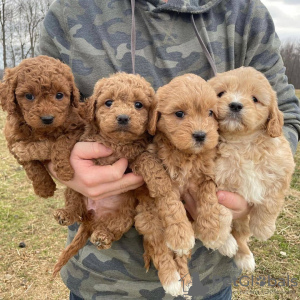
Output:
x,y
106,148
221,196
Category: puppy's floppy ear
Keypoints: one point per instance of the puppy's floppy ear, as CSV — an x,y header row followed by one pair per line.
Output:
x,y
153,116
87,109
8,88
275,121
215,110
3,95
75,95
74,91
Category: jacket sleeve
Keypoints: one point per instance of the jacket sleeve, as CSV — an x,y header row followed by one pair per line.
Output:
x,y
263,53
54,35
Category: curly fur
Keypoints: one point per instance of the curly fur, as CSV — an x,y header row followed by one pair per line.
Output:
x,y
125,90
186,161
129,141
254,159
190,161
41,101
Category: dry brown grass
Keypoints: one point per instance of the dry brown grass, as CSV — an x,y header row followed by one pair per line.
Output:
x,y
26,272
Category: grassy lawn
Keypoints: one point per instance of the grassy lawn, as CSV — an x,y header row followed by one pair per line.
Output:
x,y
26,272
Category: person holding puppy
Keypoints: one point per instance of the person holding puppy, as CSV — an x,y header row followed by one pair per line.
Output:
x,y
95,39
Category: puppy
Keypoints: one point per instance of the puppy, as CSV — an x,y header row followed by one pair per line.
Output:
x,y
185,141
41,101
171,267
254,159
120,109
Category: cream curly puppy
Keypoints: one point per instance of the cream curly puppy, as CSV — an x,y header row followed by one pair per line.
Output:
x,y
254,159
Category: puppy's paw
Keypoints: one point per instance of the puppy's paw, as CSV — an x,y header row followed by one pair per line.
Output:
x,y
45,191
210,237
180,238
63,217
64,175
20,151
102,239
230,247
173,285
262,232
210,241
214,245
245,262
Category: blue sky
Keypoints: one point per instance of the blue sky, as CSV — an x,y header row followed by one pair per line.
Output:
x,y
286,16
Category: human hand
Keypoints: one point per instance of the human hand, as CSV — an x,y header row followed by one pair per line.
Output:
x,y
236,203
98,182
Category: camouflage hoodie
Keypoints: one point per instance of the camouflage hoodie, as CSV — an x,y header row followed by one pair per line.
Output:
x,y
93,37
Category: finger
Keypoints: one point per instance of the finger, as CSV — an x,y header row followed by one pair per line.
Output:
x,y
103,174
128,182
236,203
89,150
50,168
90,175
190,205
121,191
231,200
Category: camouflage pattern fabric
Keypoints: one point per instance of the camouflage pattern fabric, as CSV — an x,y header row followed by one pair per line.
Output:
x,y
119,273
93,38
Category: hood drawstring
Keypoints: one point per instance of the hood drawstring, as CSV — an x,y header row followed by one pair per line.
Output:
x,y
133,41
206,52
133,36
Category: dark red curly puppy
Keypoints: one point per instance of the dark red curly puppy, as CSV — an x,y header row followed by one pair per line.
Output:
x,y
43,123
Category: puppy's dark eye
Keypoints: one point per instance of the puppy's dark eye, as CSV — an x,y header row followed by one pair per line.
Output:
x,y
59,96
109,103
221,94
179,114
29,97
210,113
138,105
254,99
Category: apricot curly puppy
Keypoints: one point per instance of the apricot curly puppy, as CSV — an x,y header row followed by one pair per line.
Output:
x,y
41,101
254,158
120,109
185,142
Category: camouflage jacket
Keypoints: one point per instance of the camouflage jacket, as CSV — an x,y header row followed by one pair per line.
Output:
x,y
93,38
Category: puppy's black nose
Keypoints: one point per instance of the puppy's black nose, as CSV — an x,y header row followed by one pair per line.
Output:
x,y
199,136
47,119
235,106
123,119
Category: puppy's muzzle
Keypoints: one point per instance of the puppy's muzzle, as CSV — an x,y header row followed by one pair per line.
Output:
x,y
123,120
199,136
47,120
235,106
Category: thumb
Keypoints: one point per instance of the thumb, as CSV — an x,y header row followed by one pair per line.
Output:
x,y
230,200
89,150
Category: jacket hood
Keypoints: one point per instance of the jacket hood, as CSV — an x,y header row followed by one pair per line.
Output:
x,y
184,6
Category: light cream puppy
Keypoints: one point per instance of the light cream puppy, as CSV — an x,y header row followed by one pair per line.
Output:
x,y
254,159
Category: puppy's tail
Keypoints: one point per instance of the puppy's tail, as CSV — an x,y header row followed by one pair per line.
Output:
x,y
79,241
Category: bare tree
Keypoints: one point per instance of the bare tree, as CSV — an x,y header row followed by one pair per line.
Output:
x,y
33,16
290,52
3,19
19,21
